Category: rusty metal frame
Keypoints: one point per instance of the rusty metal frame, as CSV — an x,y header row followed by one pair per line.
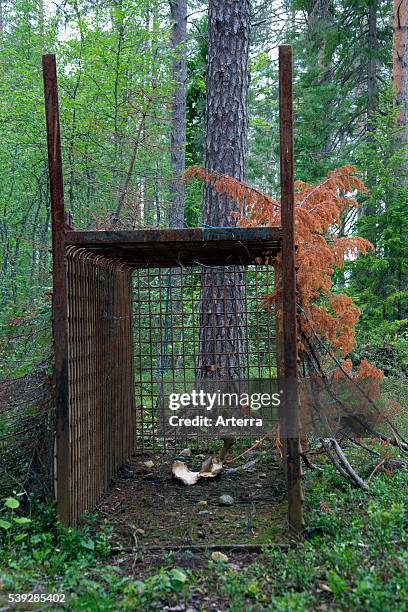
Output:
x,y
78,259
93,348
291,423
59,296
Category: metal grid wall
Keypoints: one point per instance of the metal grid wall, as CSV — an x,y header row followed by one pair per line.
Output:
x,y
101,374
172,324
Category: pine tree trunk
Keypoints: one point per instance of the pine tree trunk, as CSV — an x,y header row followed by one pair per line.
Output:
x,y
370,210
226,125
400,72
178,130
222,330
178,9
400,85
372,62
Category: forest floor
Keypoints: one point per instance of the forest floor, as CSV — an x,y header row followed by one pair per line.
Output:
x,y
145,493
353,557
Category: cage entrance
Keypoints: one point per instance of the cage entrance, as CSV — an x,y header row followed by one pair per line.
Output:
x,y
186,321
134,326
190,323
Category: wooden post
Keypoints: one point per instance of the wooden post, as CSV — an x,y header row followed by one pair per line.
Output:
x,y
59,295
290,356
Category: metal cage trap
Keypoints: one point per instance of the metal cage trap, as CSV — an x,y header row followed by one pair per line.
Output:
x,y
132,309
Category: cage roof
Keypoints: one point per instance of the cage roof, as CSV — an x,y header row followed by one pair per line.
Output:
x,y
186,247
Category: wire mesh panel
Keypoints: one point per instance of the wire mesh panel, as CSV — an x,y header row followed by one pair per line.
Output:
x,y
198,322
101,375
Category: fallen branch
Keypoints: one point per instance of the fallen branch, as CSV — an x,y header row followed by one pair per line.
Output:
x,y
308,463
361,445
347,466
327,447
376,469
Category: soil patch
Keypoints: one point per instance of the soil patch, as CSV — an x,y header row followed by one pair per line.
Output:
x,y
148,508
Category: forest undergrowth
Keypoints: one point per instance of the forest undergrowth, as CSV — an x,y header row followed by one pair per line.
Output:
x,y
353,557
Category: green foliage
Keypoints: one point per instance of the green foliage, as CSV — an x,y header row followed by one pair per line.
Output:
x,y
386,346
354,558
41,550
195,128
380,280
322,110
40,537
25,338
158,587
196,91
13,525
114,89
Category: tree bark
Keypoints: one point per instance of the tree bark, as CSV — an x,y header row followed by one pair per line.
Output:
x,y
400,72
222,325
226,125
178,117
370,208
372,62
400,86
178,9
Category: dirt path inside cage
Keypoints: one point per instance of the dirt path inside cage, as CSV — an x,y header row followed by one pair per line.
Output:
x,y
148,508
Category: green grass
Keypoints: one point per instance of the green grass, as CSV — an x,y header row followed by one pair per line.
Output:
x,y
354,558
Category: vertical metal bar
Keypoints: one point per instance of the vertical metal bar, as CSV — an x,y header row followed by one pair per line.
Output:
x,y
127,296
104,373
156,360
271,350
139,413
72,319
59,302
111,370
293,460
247,339
95,431
114,368
120,422
75,382
100,393
130,356
91,432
